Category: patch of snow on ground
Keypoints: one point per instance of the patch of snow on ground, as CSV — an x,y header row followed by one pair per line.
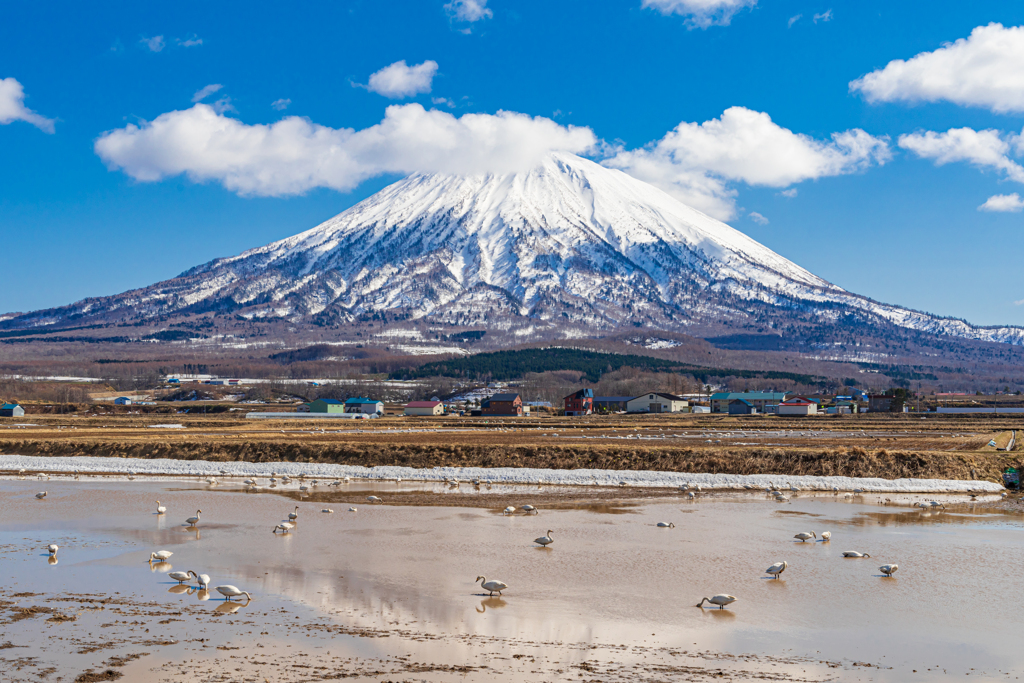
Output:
x,y
497,475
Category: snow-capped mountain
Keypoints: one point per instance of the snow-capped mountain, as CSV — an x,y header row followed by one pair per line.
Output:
x,y
569,243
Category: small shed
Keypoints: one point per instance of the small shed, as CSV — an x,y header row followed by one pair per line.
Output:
x,y
423,408
11,410
122,401
741,406
367,406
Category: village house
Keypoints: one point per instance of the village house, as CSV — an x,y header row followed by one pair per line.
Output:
x,y
424,408
122,401
798,405
656,402
579,403
367,406
759,399
11,410
325,405
739,406
506,405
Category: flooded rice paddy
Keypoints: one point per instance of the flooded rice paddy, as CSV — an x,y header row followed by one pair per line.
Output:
x,y
387,592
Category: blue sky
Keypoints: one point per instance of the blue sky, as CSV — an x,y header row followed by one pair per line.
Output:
x,y
99,195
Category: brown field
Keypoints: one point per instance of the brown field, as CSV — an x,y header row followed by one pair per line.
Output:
x,y
953,447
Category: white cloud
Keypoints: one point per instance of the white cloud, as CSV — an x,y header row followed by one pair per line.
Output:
x,y
982,148
793,20
758,218
983,70
399,80
280,104
190,42
154,44
789,194
12,106
701,13
468,10
824,16
205,92
1004,203
443,100
696,162
295,155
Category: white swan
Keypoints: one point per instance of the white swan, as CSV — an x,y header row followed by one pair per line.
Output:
x,y
353,510
180,577
854,553
721,600
192,521
374,499
232,592
888,569
160,509
826,536
202,579
327,510
284,526
805,535
777,569
52,548
160,555
293,515
508,511
545,540
41,495
691,495
666,525
528,509
492,587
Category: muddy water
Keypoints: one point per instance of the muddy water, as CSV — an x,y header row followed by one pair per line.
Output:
x,y
388,591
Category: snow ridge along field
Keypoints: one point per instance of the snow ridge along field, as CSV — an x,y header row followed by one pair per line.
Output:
x,y
497,475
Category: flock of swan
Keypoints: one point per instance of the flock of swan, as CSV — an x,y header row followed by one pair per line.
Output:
x,y
492,586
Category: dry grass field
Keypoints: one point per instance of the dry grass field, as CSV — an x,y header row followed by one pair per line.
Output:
x,y
879,445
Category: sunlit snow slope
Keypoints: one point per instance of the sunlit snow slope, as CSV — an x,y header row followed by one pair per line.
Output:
x,y
568,243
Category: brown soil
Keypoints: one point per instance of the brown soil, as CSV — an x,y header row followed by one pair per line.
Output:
x,y
90,677
857,446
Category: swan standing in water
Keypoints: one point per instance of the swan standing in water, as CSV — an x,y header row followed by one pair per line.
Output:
x,y
374,499
804,536
854,553
528,509
294,515
232,592
492,587
666,525
52,548
826,536
888,569
720,600
192,521
202,579
508,511
160,509
180,577
545,540
160,555
284,526
777,569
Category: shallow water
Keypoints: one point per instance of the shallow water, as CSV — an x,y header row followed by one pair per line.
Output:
x,y
613,596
